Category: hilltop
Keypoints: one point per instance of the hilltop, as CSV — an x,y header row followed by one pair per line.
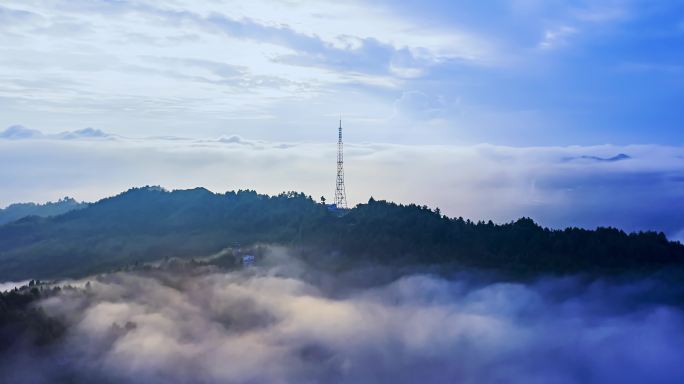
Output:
x,y
150,223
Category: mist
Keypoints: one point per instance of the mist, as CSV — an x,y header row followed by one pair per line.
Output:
x,y
556,186
283,321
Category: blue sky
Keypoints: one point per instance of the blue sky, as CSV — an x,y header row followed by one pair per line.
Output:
x,y
491,109
518,72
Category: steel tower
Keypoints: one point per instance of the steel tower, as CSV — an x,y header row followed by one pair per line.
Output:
x,y
340,193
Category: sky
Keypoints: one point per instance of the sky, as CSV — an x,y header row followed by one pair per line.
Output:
x,y
487,110
516,72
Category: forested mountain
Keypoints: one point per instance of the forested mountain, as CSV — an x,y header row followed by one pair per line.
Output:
x,y
21,321
17,211
144,224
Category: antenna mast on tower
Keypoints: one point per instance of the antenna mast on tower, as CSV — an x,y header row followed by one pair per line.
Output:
x,y
340,193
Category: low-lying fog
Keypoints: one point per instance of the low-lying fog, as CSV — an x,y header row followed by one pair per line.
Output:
x,y
280,322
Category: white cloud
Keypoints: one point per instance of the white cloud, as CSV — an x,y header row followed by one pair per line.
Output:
x,y
285,322
345,25
556,37
195,68
420,106
141,65
501,183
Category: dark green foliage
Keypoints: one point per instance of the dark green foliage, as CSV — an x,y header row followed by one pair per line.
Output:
x,y
21,321
146,224
150,223
382,231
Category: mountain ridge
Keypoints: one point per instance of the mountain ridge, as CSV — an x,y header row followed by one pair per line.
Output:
x,y
18,211
151,223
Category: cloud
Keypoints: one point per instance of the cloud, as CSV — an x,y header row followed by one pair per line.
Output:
x,y
420,106
11,17
501,183
285,322
194,68
556,36
131,66
10,285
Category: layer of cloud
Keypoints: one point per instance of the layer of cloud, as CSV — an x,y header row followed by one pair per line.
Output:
x,y
10,285
275,69
557,186
286,323
199,61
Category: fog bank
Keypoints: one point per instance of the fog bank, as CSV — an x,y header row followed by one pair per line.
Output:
x,y
282,322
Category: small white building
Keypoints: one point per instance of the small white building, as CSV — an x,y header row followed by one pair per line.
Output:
x,y
248,260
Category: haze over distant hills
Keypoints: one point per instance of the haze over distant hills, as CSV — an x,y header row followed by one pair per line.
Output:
x,y
19,210
19,132
150,223
618,157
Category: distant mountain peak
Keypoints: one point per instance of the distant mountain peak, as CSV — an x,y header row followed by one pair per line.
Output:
x,y
85,133
618,157
20,132
21,210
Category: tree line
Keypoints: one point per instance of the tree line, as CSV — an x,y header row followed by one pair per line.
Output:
x,y
149,223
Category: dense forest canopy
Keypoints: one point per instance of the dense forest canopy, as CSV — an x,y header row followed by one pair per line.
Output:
x,y
149,223
20,320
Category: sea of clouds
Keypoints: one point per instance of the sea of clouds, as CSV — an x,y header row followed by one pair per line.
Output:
x,y
284,322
